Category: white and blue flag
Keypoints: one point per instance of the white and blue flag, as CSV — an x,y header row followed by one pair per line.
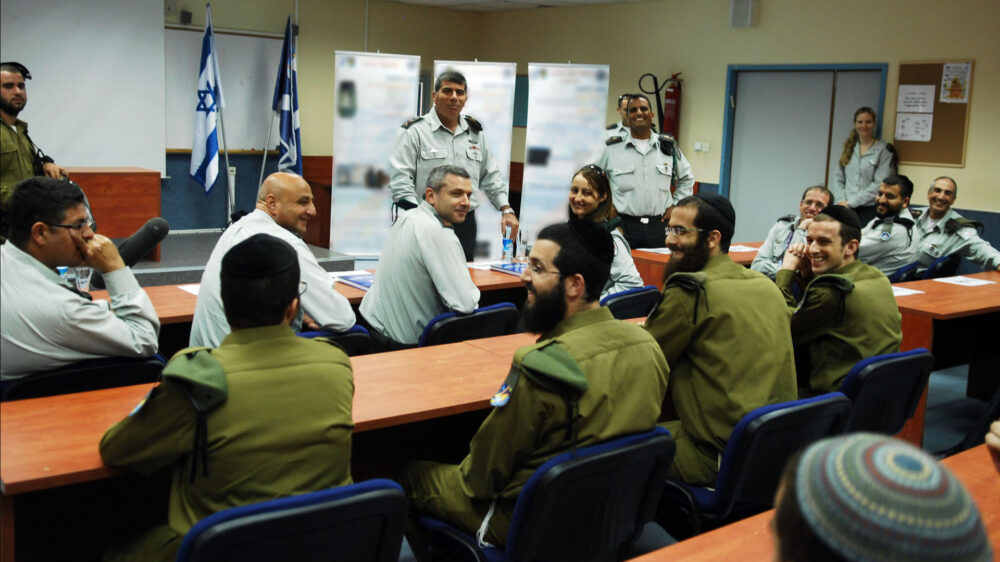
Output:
x,y
286,104
205,149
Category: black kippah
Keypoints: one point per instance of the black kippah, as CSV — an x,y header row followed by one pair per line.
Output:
x,y
259,256
721,204
595,238
842,214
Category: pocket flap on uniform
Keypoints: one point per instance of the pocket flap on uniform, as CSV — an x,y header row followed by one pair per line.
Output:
x,y
432,154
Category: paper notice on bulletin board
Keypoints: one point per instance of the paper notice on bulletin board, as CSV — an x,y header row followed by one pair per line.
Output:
x,y
915,99
914,126
955,80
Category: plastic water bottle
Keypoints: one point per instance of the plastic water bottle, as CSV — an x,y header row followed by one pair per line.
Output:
x,y
522,245
507,251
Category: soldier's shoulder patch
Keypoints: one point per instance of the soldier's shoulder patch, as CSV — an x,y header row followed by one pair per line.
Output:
x,y
611,126
410,123
613,140
474,123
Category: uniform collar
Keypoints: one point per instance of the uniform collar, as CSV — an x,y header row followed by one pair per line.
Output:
x,y
578,320
429,209
849,268
925,220
435,121
20,256
250,335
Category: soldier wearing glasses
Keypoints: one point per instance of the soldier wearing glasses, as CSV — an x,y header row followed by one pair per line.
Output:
x,y
726,333
46,323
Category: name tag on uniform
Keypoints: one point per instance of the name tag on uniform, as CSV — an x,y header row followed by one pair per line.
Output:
x,y
473,153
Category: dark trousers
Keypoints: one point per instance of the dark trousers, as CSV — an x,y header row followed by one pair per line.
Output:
x,y
466,232
651,234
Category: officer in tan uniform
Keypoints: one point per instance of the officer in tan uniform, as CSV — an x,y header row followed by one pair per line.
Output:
x,y
218,398
589,378
724,330
847,311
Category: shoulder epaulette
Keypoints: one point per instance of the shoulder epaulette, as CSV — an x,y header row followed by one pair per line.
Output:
x,y
907,223
842,283
952,225
667,144
613,140
474,124
916,213
412,121
611,126
691,283
612,224
202,374
788,218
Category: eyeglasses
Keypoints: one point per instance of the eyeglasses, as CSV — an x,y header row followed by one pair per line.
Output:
x,y
537,269
596,168
78,226
681,231
303,286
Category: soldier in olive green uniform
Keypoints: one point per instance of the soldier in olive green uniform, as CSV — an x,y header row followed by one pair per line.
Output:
x,y
847,311
607,375
724,330
269,412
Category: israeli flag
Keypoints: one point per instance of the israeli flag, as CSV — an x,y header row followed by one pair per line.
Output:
x,y
286,104
205,149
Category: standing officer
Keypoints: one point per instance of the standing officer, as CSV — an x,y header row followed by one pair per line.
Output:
x,y
641,167
440,137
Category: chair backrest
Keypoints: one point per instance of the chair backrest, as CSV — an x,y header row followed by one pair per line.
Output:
x,y
585,506
632,303
764,439
906,273
448,327
355,341
885,390
91,374
358,522
945,266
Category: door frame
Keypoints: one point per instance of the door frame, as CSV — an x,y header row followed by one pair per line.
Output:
x,y
729,109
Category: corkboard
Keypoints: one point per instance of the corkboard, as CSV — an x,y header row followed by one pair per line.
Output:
x,y
950,130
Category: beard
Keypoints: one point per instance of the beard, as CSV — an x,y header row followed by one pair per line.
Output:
x,y
694,258
9,108
549,309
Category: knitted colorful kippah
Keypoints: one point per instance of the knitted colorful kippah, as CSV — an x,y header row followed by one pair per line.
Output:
x,y
871,497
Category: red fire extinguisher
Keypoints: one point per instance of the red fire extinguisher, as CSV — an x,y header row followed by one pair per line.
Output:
x,y
671,114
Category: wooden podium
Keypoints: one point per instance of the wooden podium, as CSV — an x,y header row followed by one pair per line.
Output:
x,y
122,198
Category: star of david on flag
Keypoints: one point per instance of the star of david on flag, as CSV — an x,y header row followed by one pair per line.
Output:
x,y
205,148
286,104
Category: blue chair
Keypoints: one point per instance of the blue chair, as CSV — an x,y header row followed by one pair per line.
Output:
x,y
355,341
90,374
358,522
755,455
582,505
449,327
885,390
945,266
632,303
906,273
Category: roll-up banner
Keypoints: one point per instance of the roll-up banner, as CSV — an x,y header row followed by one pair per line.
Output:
x,y
491,102
374,95
566,109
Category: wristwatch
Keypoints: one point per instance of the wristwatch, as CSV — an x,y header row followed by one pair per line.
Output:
x,y
508,210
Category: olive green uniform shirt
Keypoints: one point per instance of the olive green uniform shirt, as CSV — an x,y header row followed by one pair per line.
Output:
x,y
284,429
725,332
17,158
626,377
841,319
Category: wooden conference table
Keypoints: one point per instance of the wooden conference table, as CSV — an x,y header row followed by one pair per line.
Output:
x,y
752,539
175,305
51,442
653,265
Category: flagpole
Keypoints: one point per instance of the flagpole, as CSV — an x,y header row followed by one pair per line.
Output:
x,y
267,143
230,188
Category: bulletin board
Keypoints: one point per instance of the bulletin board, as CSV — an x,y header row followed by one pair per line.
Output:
x,y
949,130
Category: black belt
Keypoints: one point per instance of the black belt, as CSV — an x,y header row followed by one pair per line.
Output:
x,y
387,342
643,220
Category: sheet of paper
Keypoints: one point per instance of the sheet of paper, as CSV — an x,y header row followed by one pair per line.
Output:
x,y
336,274
915,99
955,78
655,250
484,265
914,126
964,281
192,288
903,291
741,248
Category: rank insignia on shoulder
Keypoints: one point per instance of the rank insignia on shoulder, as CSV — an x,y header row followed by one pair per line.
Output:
x,y
474,123
412,121
611,126
502,396
613,140
885,236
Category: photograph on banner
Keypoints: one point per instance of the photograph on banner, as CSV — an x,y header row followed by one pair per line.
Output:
x,y
566,108
490,91
373,95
